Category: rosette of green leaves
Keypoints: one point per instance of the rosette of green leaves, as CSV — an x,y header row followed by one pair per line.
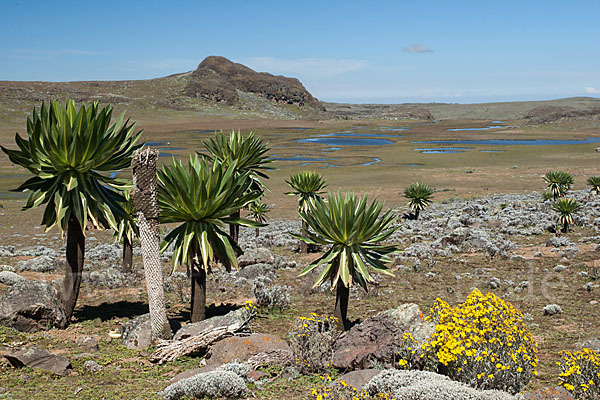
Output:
x,y
69,152
249,154
307,185
419,195
559,182
201,197
354,231
258,211
566,209
594,183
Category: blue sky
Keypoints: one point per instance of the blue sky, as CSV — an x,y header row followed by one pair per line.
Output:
x,y
348,51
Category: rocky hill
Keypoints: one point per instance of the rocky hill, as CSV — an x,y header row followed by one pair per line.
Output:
x,y
219,79
217,88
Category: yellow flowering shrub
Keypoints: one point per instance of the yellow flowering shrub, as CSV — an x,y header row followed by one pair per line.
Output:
x,y
311,340
580,373
415,355
483,342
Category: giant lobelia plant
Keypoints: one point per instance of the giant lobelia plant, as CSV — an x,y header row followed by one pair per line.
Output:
x,y
559,183
307,185
202,198
69,151
353,230
419,195
249,156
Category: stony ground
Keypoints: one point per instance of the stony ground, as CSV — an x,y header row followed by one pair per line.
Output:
x,y
499,243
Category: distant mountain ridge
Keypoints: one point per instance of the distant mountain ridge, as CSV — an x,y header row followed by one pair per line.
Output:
x,y
221,88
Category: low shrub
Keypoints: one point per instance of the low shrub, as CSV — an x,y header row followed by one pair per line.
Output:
x,y
311,340
343,391
580,373
269,295
483,342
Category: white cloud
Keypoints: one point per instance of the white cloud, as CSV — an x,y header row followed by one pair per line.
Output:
x,y
308,68
591,90
417,49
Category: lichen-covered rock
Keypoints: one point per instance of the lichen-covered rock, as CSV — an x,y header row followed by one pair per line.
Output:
x,y
104,252
549,393
7,251
87,343
43,263
92,366
357,379
269,295
37,251
208,384
31,306
111,278
253,271
255,256
423,385
137,333
378,338
40,359
241,348
552,309
10,278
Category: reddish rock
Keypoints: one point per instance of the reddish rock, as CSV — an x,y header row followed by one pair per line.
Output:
x,y
549,393
378,338
359,378
191,372
241,348
257,375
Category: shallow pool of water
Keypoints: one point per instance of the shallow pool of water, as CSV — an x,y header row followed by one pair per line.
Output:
x,y
442,150
375,161
300,158
508,142
364,135
476,129
346,141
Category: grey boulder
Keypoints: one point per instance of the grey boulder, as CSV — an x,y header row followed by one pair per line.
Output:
x,y
39,359
10,278
31,306
137,333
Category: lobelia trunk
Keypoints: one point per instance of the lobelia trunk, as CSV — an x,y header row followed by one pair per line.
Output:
x,y
198,300
234,230
74,269
342,296
304,245
146,206
127,256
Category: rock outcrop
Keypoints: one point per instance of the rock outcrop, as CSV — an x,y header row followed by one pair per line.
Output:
x,y
218,79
